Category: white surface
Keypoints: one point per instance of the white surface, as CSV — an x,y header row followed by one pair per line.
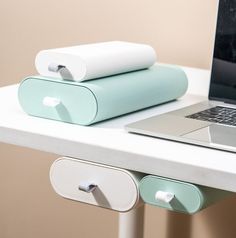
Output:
x,y
108,143
96,60
67,174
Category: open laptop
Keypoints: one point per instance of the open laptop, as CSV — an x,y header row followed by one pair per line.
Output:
x,y
211,123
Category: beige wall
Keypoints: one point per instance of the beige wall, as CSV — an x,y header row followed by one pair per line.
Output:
x,y
182,32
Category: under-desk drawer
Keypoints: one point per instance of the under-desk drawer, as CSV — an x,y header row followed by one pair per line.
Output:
x,y
178,196
95,184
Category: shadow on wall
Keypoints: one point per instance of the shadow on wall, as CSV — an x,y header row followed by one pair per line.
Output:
x,y
217,221
178,225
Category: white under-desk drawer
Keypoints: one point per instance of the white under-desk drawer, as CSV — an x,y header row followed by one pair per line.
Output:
x,y
95,184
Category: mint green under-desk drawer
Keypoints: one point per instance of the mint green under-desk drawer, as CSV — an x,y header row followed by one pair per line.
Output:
x,y
188,198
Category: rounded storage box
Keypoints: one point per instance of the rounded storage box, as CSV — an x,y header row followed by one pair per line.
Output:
x,y
178,196
96,100
95,184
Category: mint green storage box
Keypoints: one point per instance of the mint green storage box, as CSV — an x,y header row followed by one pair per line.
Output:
x,y
96,100
188,198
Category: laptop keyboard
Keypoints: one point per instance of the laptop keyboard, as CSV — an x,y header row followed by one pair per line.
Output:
x,y
218,114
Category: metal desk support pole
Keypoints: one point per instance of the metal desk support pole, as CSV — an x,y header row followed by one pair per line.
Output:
x,y
131,224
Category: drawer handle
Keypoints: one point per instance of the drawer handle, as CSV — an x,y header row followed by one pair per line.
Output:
x,y
53,67
51,102
166,197
87,187
61,69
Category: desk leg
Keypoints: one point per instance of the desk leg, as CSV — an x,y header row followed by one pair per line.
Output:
x,y
131,223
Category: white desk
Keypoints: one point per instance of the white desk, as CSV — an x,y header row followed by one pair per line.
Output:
x,y
108,143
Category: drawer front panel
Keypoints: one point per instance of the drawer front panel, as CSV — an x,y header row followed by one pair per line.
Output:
x,y
57,100
171,194
91,183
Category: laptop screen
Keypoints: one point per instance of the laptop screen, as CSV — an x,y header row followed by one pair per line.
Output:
x,y
223,77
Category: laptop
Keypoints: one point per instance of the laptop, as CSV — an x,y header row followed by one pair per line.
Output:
x,y
210,123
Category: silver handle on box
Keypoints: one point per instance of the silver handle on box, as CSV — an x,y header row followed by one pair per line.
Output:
x,y
62,70
87,187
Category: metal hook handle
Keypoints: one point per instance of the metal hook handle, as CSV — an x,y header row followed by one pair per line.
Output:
x,y
61,69
87,187
53,67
